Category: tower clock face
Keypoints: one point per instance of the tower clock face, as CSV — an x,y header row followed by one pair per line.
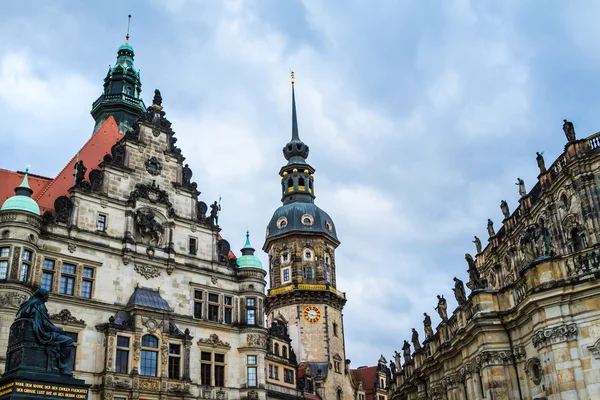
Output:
x,y
312,314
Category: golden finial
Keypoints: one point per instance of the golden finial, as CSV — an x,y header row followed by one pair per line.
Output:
x,y
292,72
128,24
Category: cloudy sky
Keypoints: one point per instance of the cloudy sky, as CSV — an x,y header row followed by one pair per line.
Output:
x,y
420,115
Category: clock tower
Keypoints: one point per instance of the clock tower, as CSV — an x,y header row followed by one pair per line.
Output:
x,y
301,242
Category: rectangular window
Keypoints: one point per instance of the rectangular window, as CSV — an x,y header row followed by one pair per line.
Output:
x,y
192,246
24,272
73,336
228,309
47,280
251,311
286,275
205,374
288,375
270,371
219,375
198,304
148,363
308,272
3,269
251,371
67,285
87,284
122,361
4,251
26,255
276,371
101,223
174,360
213,307
335,329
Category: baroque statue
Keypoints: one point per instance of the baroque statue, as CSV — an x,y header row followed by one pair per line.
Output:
x,y
490,228
157,100
186,175
427,326
393,367
540,162
406,350
442,308
397,358
521,184
459,291
214,213
415,339
474,275
477,244
79,174
58,345
569,130
504,208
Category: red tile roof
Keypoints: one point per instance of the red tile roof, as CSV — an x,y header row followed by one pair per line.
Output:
x,y
367,375
92,153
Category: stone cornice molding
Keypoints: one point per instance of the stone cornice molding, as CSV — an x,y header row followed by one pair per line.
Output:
x,y
492,358
557,334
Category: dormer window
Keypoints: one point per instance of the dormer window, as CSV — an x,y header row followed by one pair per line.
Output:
x,y
307,220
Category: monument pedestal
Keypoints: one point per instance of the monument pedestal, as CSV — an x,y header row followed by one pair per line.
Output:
x,y
32,369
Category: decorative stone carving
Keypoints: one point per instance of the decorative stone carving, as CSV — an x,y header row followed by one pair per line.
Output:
x,y
122,383
256,340
153,193
153,166
72,247
427,326
406,350
459,291
133,135
214,280
147,226
595,349
253,395
474,276
477,244
491,358
214,213
213,340
415,339
521,184
137,348
504,208
117,155
63,207
96,180
490,228
557,334
223,248
79,174
201,209
442,308
533,367
186,178
66,318
150,384
151,324
147,271
12,300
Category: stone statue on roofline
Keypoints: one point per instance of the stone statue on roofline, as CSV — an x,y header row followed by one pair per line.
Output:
x,y
406,350
397,358
474,275
415,339
442,308
459,291
490,228
393,368
540,162
427,326
504,208
521,184
569,130
477,244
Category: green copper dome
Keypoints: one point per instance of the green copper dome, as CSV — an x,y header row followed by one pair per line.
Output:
x,y
126,47
248,259
22,200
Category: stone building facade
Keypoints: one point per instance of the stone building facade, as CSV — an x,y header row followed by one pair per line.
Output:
x,y
140,277
530,328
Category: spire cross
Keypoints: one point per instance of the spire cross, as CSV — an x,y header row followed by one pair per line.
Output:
x,y
128,24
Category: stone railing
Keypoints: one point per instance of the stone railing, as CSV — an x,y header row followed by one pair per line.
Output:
x,y
584,262
281,389
594,141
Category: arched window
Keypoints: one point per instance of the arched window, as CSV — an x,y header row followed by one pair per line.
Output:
x,y
149,358
338,394
577,240
284,351
290,183
301,182
276,349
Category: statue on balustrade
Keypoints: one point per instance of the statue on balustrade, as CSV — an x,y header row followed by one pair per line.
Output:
x,y
569,130
427,326
459,291
393,368
415,339
397,358
474,275
521,184
58,345
477,244
406,350
540,162
442,308
490,228
504,208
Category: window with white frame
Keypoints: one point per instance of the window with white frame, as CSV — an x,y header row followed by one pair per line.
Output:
x,y
26,265
251,367
228,309
251,311
174,360
285,275
4,256
198,304
122,359
149,359
308,255
48,274
101,223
